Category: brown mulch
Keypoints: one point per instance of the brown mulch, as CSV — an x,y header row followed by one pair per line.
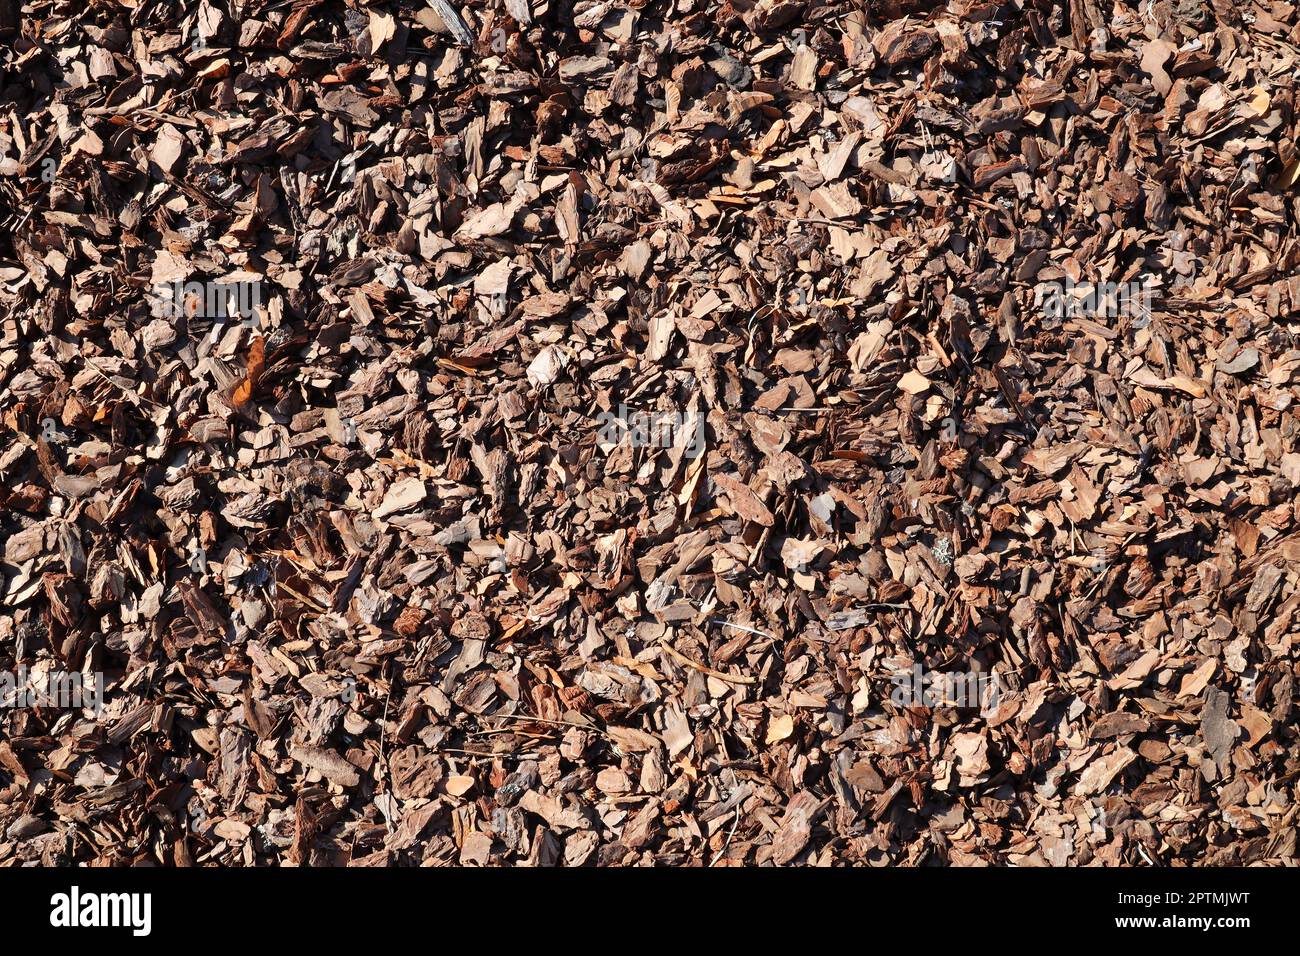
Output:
x,y
362,581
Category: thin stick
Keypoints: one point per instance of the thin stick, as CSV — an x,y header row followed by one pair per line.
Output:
x,y
542,720
742,627
735,820
730,678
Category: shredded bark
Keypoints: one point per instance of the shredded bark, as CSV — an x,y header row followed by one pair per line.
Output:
x,y
684,433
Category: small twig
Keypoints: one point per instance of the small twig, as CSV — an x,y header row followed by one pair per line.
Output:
x,y
742,627
542,720
480,753
383,739
734,821
544,735
320,608
730,678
